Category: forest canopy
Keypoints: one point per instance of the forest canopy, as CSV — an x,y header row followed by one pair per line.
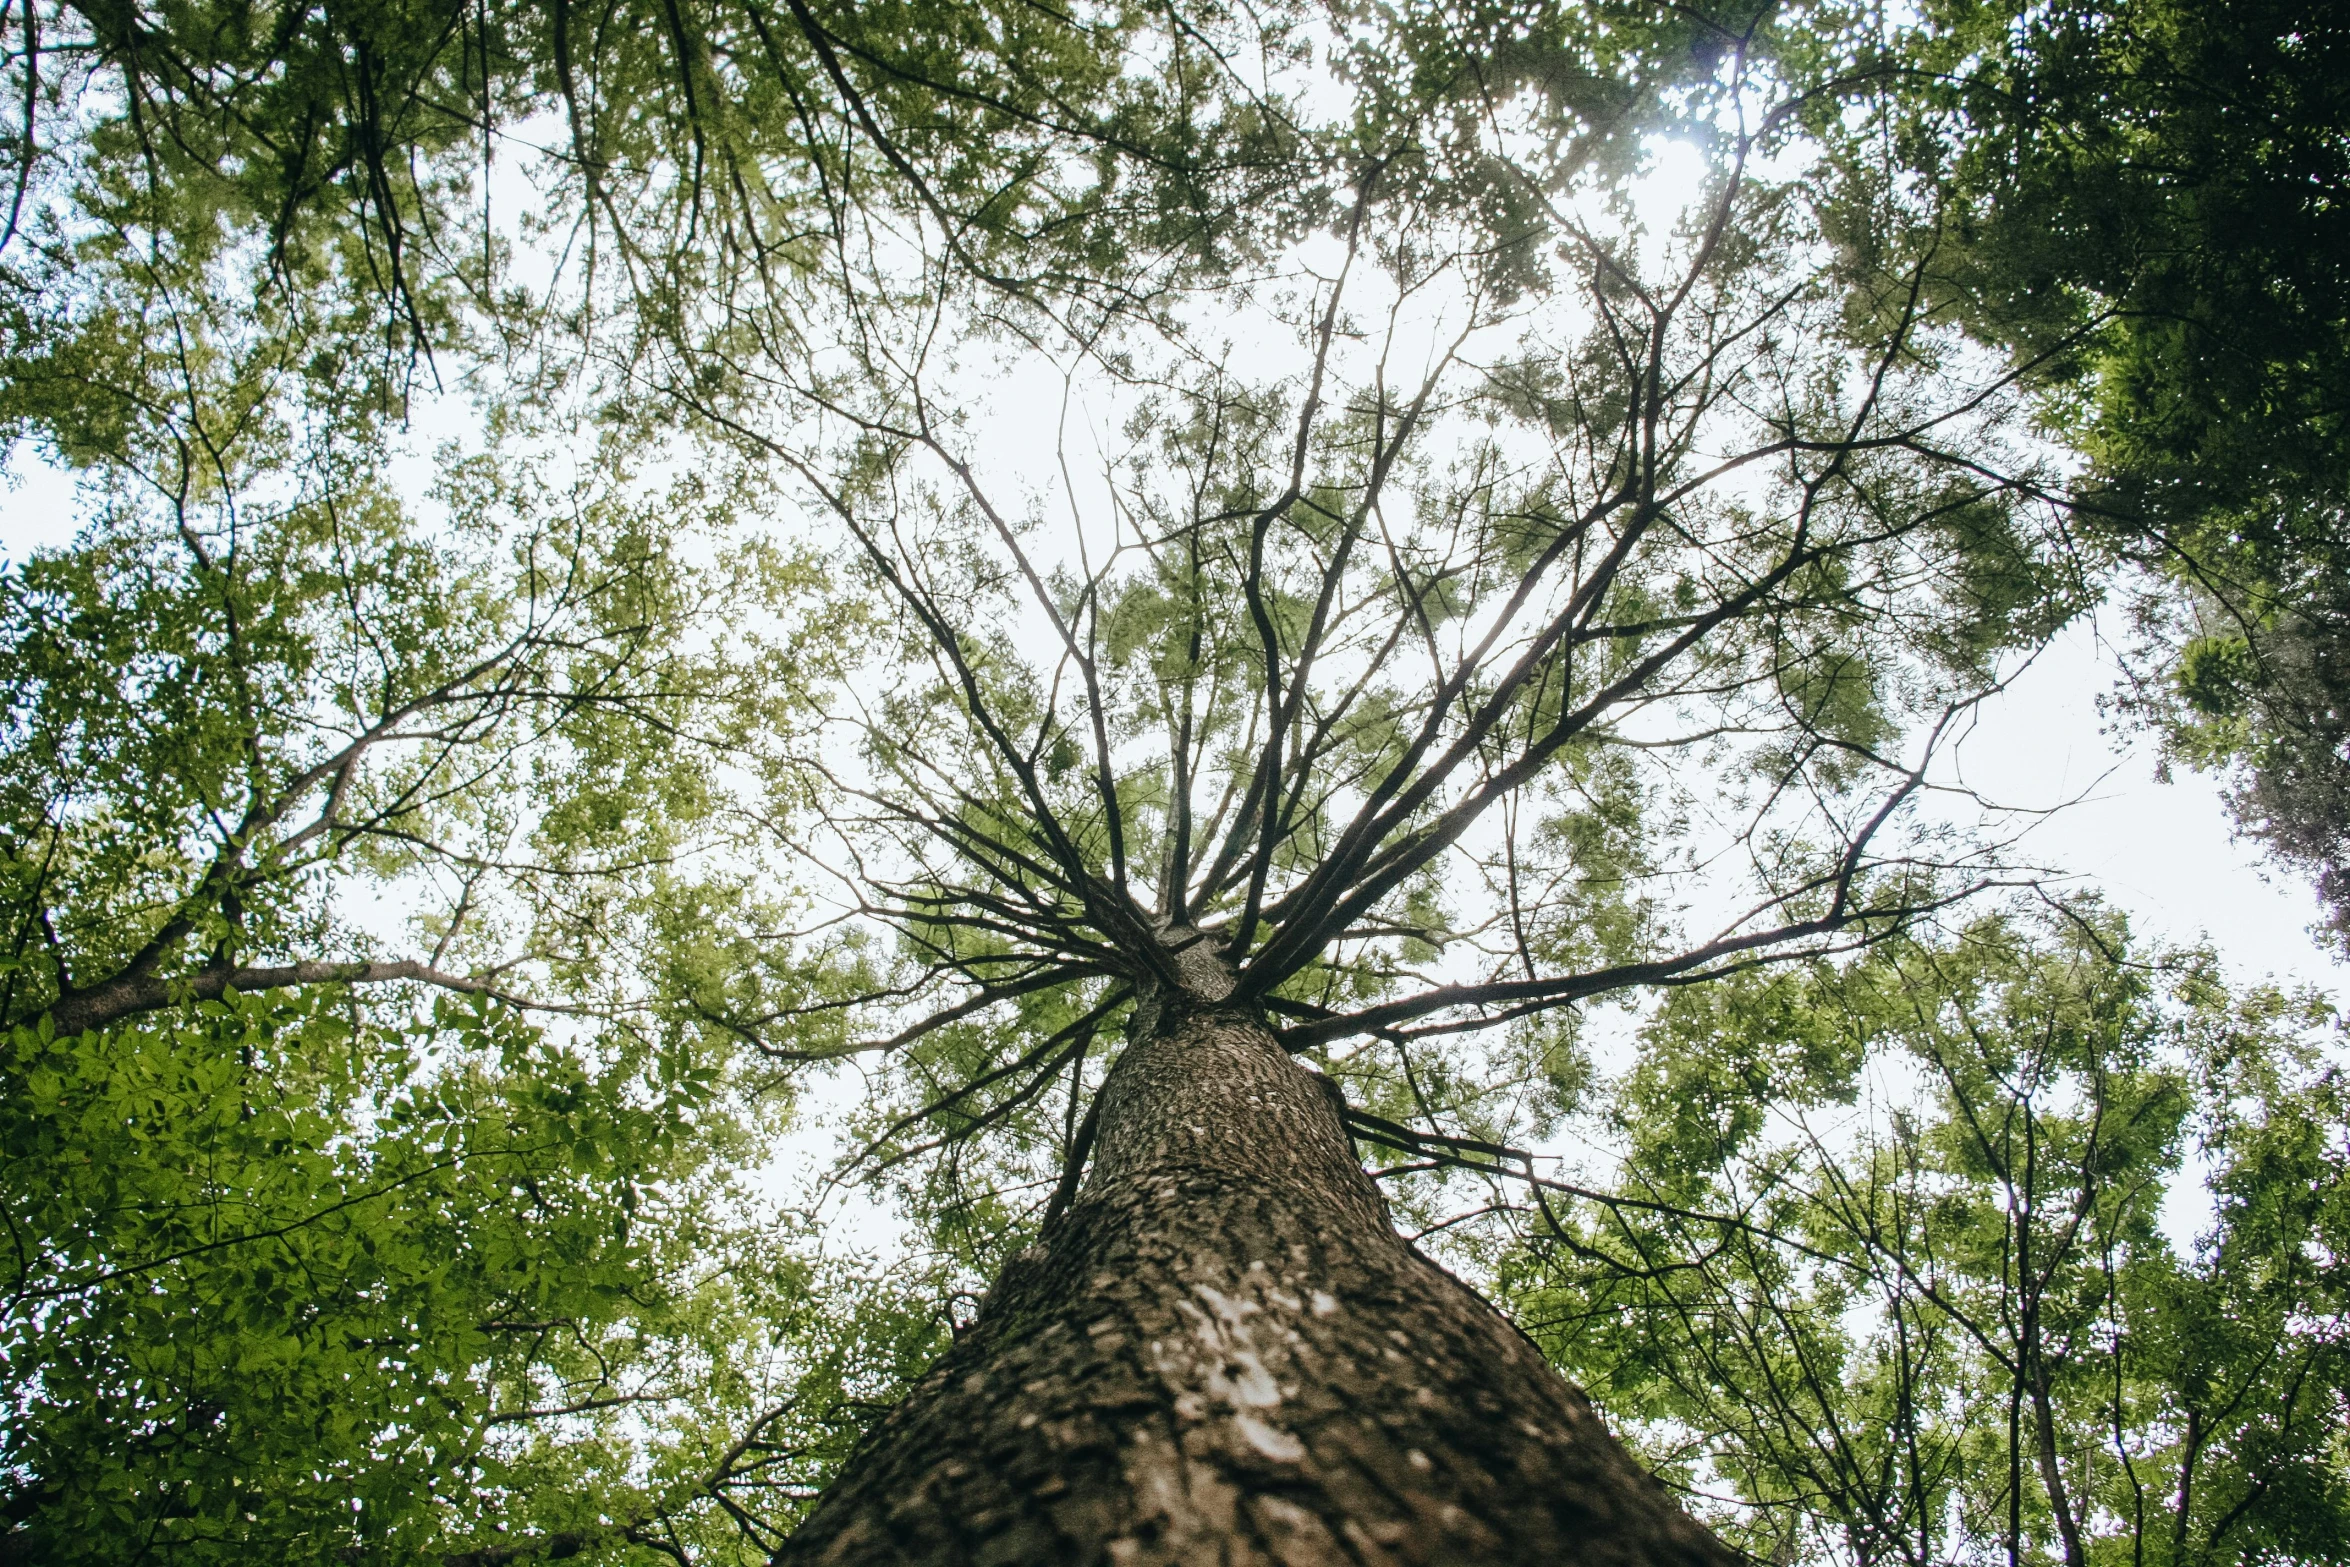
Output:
x,y
681,620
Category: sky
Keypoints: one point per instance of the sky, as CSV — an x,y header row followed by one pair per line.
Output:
x,y
2164,852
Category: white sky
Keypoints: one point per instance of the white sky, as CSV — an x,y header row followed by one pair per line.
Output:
x,y
2166,853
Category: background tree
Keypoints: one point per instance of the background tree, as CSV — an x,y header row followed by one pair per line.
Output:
x,y
341,1273
2144,203
1886,1260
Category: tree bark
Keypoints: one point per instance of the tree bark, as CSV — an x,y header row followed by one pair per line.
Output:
x,y
1223,1353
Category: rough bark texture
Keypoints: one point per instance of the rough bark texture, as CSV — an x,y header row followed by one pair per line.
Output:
x,y
1223,1353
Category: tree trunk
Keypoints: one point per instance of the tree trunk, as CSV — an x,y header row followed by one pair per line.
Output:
x,y
1223,1353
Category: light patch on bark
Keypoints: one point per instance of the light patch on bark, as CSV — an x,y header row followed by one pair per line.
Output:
x,y
1270,1440
1232,1369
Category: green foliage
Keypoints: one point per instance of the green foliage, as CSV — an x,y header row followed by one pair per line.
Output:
x,y
348,1273
2142,203
384,170
1890,1266
411,950
203,714
290,1281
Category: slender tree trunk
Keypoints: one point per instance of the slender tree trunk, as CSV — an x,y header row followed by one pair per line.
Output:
x,y
2068,1529
1223,1353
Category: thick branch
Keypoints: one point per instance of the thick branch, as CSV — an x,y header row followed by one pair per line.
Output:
x,y
129,995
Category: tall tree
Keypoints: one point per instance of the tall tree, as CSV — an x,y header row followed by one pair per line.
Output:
x,y
1356,715
1485,591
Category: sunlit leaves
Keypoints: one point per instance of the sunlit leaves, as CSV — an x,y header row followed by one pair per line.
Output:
x,y
285,1276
